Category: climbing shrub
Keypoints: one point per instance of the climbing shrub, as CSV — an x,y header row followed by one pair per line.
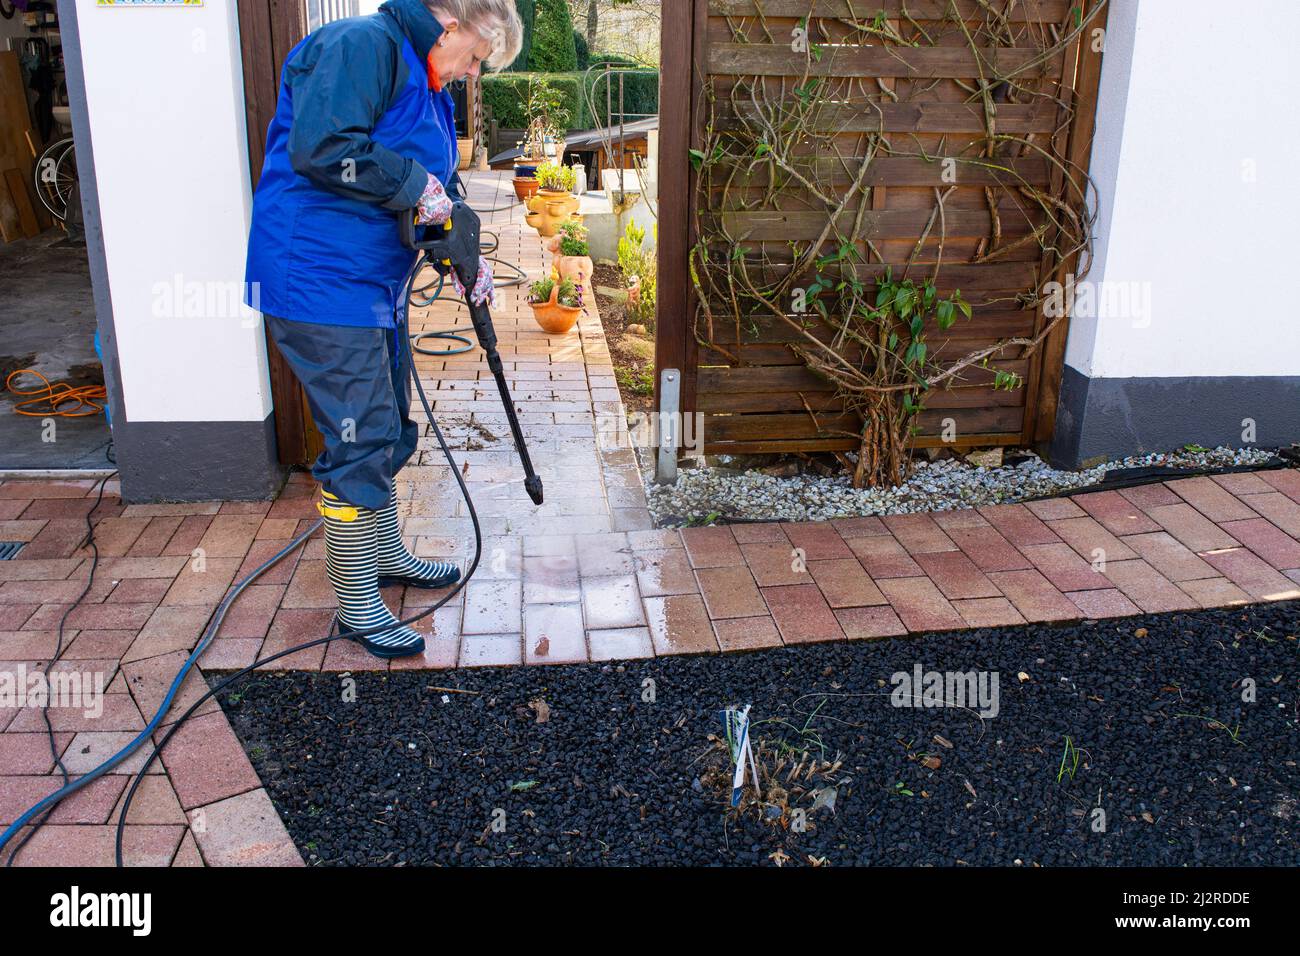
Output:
x,y
768,144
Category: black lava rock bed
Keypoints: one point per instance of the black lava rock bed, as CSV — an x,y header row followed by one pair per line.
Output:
x,y
1142,718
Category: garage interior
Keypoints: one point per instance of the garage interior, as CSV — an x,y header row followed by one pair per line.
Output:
x,y
53,410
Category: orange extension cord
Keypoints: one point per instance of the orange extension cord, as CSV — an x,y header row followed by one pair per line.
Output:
x,y
51,397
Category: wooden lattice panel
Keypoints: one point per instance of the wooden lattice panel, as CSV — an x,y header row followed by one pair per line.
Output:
x,y
755,393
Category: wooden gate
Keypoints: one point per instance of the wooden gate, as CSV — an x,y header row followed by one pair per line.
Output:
x,y
908,74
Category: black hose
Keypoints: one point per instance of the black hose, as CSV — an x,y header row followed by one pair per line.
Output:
x,y
453,334
70,787
226,682
89,538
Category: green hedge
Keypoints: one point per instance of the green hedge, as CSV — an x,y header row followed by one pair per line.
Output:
x,y
640,91
507,95
584,53
527,14
553,49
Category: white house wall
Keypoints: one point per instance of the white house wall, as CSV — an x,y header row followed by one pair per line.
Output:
x,y
1192,161
163,118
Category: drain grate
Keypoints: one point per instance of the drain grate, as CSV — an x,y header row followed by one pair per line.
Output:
x,y
10,549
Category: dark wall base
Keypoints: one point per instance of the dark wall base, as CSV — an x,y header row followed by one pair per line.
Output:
x,y
197,461
1105,418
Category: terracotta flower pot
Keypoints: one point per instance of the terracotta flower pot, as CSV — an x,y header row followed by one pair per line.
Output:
x,y
554,317
577,268
524,188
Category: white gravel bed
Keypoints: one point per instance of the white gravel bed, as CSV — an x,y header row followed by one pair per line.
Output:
x,y
941,485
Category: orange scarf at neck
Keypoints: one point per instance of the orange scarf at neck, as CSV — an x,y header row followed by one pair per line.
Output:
x,y
435,83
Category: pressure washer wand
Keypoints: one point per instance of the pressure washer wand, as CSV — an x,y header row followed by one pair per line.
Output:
x,y
456,246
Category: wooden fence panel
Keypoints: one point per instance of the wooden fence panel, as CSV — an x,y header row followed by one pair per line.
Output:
x,y
755,393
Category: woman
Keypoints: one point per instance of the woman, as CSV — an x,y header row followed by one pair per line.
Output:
x,y
364,134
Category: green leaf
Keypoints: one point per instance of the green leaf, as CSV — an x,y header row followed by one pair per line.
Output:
x,y
943,313
697,158
904,301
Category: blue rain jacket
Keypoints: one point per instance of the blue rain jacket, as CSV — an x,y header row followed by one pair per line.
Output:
x,y
357,130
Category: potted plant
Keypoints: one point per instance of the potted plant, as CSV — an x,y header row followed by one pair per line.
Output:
x,y
554,204
556,179
525,187
573,227
573,260
555,304
548,122
525,181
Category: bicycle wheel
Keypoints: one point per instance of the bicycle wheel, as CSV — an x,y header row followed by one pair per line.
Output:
x,y
55,175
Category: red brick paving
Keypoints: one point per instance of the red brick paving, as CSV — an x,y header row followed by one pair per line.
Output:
x,y
1210,499
866,623
988,549
1102,604
1148,588
583,584
1034,596
1197,532
747,633
988,612
554,597
1116,513
920,604
883,557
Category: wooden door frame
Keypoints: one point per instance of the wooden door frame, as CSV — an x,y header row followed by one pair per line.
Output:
x,y
268,30
681,43
1081,72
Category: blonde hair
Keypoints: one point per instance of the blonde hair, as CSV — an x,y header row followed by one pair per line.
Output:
x,y
497,21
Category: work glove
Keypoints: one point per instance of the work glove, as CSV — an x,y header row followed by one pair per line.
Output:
x,y
434,206
484,291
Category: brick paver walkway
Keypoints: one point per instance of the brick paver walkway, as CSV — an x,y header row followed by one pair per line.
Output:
x,y
582,578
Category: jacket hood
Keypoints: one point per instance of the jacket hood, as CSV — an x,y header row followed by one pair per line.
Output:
x,y
420,26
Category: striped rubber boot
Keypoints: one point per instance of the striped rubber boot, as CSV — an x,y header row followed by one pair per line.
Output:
x,y
396,564
351,549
